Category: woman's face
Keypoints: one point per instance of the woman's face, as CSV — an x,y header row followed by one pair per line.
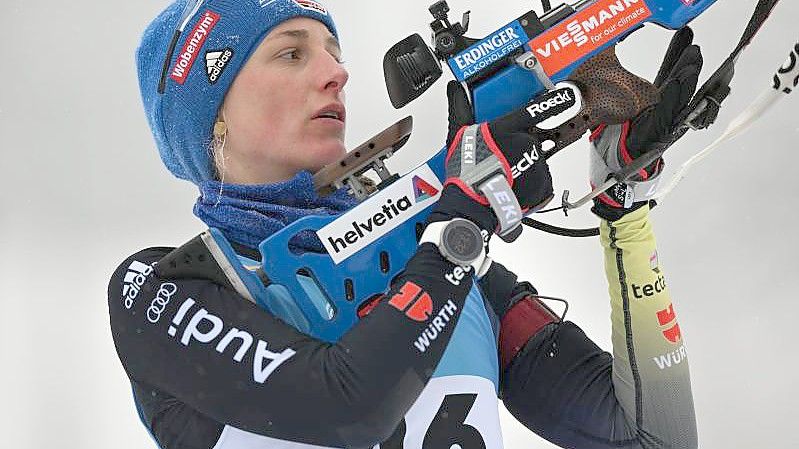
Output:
x,y
285,110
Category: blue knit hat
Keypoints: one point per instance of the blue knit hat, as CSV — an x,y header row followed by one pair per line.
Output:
x,y
187,60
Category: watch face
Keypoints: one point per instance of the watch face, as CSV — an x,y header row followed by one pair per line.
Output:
x,y
462,239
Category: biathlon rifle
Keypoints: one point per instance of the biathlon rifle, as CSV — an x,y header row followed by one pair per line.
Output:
x,y
563,61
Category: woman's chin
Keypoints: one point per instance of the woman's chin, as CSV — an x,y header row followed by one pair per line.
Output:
x,y
327,154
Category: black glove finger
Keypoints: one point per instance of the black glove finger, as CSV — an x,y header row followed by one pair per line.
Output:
x,y
460,110
680,88
690,64
679,42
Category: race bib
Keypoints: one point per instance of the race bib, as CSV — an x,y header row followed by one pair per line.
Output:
x,y
452,412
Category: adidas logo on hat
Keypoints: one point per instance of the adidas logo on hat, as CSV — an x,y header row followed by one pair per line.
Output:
x,y
215,63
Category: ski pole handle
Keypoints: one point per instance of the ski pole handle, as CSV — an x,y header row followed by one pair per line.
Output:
x,y
787,77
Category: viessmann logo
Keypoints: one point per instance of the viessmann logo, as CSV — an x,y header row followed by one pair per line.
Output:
x,y
589,29
380,214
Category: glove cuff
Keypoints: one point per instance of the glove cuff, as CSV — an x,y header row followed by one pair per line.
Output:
x,y
610,155
455,203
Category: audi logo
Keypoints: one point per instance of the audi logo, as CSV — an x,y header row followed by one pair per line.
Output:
x,y
162,298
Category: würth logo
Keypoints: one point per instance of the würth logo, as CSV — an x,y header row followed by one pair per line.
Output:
x,y
667,317
192,47
422,189
416,303
215,63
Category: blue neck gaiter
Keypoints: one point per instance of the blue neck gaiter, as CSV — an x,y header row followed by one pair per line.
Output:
x,y
248,214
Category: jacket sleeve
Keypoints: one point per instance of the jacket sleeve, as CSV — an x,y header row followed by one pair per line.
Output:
x,y
561,385
233,362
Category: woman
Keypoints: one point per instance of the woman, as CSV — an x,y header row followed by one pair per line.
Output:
x,y
245,99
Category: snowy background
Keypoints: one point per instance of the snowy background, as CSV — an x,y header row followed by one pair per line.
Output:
x,y
82,188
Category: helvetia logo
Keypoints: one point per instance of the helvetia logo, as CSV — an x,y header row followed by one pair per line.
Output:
x,y
195,41
215,63
385,210
134,279
422,189
360,229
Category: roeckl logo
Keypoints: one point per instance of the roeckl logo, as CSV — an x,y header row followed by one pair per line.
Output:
x,y
215,63
206,328
134,279
191,49
551,104
668,319
530,158
416,303
162,298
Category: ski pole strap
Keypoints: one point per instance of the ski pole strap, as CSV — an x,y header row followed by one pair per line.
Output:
x,y
705,106
505,205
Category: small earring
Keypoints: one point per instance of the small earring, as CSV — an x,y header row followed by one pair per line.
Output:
x,y
220,133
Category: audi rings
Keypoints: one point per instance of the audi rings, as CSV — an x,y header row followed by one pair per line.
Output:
x,y
162,298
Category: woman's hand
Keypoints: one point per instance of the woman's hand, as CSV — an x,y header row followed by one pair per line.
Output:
x,y
496,164
655,129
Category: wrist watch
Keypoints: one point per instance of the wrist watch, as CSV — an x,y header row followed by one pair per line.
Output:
x,y
460,241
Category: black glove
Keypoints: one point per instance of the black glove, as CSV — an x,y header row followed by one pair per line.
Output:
x,y
502,147
654,129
